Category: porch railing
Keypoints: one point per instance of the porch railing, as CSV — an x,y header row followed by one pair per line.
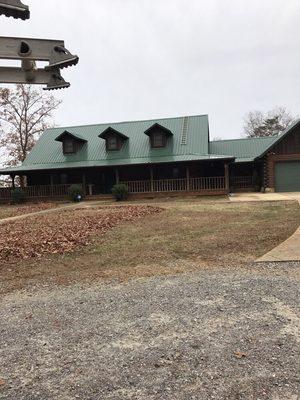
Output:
x,y
205,184
41,191
241,182
177,185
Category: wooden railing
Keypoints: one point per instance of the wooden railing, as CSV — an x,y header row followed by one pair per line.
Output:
x,y
177,185
242,182
41,191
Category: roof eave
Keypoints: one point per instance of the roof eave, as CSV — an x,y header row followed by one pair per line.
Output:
x,y
66,133
157,125
108,130
26,169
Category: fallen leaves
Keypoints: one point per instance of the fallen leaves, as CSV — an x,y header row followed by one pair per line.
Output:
x,y
63,231
15,210
2,382
240,354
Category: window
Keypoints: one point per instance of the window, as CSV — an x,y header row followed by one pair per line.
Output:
x,y
69,146
112,143
158,139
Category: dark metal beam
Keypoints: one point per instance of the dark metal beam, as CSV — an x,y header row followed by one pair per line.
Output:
x,y
14,8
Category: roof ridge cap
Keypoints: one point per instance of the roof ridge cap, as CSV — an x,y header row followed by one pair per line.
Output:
x,y
247,138
127,121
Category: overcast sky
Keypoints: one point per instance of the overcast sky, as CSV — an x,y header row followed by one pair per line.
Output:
x,y
143,59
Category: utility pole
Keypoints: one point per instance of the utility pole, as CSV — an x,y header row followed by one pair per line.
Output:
x,y
29,51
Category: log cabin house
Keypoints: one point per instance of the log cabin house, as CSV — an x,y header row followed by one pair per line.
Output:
x,y
173,155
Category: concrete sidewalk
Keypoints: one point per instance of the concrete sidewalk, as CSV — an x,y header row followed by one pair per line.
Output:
x,y
290,249
256,196
286,251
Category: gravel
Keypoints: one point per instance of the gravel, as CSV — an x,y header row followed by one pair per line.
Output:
x,y
214,334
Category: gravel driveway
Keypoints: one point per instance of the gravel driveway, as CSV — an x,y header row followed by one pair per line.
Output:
x,y
214,334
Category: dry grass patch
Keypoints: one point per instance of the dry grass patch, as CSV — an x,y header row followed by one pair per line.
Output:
x,y
185,237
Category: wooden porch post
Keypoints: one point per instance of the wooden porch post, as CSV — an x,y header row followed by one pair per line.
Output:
x,y
84,183
187,178
226,166
151,179
117,176
13,181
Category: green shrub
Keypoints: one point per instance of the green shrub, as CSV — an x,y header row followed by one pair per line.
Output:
x,y
120,191
76,193
18,196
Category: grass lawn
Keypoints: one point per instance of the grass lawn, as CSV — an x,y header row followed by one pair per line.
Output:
x,y
185,236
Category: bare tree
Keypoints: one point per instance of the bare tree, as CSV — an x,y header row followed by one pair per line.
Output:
x,y
25,113
272,123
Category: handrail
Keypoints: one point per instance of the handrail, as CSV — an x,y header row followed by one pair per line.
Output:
x,y
177,185
39,191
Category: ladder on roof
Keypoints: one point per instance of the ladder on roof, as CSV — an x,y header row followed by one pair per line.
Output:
x,y
184,132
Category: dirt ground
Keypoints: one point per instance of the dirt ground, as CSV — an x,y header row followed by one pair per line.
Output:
x,y
166,307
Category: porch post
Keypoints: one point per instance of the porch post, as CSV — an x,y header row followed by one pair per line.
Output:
x,y
13,181
84,183
117,176
51,180
151,179
187,178
227,177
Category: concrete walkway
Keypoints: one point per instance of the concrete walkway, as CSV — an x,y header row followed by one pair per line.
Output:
x,y
290,249
286,251
244,197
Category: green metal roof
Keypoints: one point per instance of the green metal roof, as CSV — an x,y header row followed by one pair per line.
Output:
x,y
189,142
245,150
48,154
249,149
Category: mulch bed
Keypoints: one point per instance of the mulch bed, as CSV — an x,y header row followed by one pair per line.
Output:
x,y
64,231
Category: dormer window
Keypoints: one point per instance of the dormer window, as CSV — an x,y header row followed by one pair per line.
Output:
x,y
112,143
71,143
158,135
158,139
114,139
68,146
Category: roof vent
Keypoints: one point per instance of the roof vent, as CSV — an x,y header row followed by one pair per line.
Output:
x,y
184,132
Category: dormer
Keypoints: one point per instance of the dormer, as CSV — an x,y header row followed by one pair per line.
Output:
x,y
114,139
158,135
71,143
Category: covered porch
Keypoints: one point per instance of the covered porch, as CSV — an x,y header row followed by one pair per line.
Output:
x,y
209,177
